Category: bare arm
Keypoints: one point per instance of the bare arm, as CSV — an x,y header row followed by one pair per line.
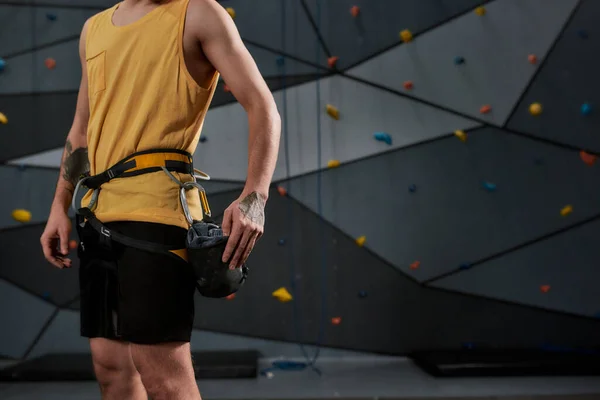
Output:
x,y
75,157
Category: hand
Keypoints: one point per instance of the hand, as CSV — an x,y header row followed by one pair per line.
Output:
x,y
55,239
243,222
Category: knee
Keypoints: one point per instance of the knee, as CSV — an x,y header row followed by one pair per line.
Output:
x,y
113,377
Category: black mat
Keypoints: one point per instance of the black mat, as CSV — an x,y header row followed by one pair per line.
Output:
x,y
465,363
78,367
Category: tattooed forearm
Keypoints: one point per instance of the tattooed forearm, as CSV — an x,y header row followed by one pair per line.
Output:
x,y
253,208
75,163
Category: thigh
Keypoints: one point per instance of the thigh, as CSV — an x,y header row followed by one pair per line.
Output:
x,y
111,356
166,360
156,292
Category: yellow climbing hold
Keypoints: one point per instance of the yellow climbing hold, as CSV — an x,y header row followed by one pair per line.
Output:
x,y
566,210
406,36
535,109
231,12
333,163
282,295
333,112
461,135
21,215
3,119
480,11
361,241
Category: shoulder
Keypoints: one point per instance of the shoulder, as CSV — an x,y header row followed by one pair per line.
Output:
x,y
206,12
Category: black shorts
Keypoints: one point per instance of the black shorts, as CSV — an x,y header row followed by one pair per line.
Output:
x,y
133,295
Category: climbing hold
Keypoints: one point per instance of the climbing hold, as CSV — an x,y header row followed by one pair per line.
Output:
x,y
2,64
588,158
362,294
50,63
545,288
269,375
355,11
415,265
461,135
51,17
465,266
333,112
485,109
412,188
480,11
490,187
203,139
566,210
3,119
336,320
360,241
459,60
333,163
226,88
408,85
231,296
532,58
586,109
332,61
72,244
582,33
383,137
281,242
535,109
231,12
282,295
21,215
406,36
280,61
282,191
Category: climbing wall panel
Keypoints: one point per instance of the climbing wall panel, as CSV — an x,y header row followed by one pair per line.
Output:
x,y
62,336
471,200
378,23
566,82
559,273
402,315
271,63
22,316
23,263
349,138
495,49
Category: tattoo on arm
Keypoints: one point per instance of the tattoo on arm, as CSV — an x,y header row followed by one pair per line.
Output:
x,y
75,164
253,208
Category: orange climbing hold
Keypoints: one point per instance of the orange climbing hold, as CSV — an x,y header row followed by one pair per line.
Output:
x,y
332,61
409,85
50,63
355,11
73,244
336,320
231,296
486,109
415,265
532,59
545,288
282,191
588,158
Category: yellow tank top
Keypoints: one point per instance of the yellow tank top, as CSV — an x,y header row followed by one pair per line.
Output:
x,y
142,97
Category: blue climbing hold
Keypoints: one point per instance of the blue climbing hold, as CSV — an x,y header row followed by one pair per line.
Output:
x,y
583,34
465,266
281,242
51,17
203,139
362,294
459,60
586,109
2,64
383,137
412,188
489,186
280,61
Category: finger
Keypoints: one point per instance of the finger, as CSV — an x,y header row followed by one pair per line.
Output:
x,y
48,253
241,248
64,241
226,226
249,248
232,242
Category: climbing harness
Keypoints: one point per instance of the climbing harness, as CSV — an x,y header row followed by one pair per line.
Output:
x,y
205,242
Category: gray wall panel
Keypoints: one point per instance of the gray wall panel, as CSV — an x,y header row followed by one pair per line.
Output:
x,y
495,48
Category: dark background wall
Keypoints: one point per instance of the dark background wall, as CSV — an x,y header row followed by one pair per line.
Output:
x,y
447,261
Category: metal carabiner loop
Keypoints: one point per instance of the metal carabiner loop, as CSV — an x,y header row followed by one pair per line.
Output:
x,y
183,188
93,201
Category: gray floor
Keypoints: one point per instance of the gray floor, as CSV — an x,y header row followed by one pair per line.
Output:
x,y
365,378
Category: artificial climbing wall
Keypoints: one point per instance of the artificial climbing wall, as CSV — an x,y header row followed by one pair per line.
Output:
x,y
436,185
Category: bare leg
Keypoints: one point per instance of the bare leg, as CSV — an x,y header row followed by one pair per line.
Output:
x,y
115,371
166,370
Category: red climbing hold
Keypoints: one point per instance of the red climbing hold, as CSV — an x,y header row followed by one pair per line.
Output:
x,y
332,61
532,58
355,11
281,190
73,244
415,265
588,158
50,63
336,320
231,296
485,109
545,288
408,85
